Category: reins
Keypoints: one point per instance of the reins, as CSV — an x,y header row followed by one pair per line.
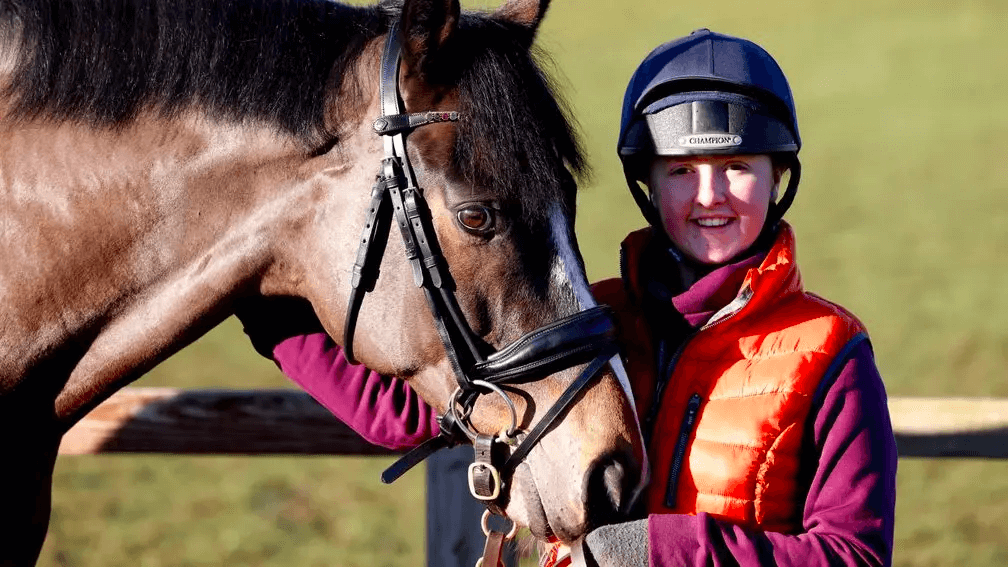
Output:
x,y
585,337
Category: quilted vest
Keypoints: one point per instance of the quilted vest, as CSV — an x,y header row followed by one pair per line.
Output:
x,y
728,439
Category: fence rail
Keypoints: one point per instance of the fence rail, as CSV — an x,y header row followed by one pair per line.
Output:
x,y
227,422
290,422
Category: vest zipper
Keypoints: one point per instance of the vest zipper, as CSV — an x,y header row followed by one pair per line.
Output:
x,y
623,268
664,377
685,430
693,405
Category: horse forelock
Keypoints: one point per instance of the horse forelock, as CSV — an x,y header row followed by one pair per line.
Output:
x,y
105,62
517,138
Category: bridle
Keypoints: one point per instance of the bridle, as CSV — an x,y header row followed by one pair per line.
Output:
x,y
585,337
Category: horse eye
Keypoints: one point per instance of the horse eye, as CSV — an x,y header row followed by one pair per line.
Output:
x,y
476,219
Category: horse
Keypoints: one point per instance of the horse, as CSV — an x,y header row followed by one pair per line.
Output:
x,y
162,161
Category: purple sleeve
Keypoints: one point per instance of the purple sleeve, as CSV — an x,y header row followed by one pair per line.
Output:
x,y
850,509
385,411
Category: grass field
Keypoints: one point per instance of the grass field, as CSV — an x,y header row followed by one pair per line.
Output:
x,y
902,217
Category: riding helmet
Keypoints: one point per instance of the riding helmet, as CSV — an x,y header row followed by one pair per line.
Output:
x,y
708,94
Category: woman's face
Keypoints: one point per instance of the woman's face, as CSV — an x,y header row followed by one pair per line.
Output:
x,y
713,207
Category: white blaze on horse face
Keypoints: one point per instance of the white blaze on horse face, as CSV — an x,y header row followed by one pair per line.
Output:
x,y
9,39
567,274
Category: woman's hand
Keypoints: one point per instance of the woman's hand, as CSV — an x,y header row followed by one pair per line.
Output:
x,y
616,545
268,321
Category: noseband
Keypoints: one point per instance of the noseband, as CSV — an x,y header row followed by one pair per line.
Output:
x,y
585,337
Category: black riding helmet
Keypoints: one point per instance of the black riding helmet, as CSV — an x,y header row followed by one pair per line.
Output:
x,y
708,94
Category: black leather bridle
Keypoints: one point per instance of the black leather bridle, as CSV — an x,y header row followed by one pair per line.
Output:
x,y
585,337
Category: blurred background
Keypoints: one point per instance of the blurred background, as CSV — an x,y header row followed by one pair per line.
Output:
x,y
902,217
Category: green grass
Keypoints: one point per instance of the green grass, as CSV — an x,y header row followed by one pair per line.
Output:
x,y
902,217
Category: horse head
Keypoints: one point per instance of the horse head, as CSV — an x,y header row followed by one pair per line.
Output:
x,y
495,169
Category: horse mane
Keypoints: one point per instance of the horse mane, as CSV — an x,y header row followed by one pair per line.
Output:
x,y
102,62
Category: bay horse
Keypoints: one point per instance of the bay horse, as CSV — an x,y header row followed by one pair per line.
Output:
x,y
163,160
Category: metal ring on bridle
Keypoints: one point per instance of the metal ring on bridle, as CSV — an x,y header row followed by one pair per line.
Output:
x,y
484,522
461,418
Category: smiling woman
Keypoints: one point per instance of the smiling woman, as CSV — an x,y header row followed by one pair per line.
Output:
x,y
764,413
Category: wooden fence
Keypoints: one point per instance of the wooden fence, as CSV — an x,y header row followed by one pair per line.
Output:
x,y
290,422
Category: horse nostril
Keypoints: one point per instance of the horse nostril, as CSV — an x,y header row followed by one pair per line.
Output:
x,y
610,483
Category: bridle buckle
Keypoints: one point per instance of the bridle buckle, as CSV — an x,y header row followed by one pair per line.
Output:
x,y
484,478
485,472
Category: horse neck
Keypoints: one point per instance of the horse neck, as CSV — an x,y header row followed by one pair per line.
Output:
x,y
128,243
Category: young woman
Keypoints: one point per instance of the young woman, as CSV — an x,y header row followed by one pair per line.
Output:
x,y
764,412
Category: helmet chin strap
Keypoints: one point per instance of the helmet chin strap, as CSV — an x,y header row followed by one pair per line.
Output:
x,y
775,213
647,208
777,210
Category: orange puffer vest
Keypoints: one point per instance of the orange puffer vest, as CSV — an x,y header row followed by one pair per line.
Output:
x,y
729,435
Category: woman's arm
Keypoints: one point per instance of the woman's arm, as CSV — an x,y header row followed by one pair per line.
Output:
x,y
383,410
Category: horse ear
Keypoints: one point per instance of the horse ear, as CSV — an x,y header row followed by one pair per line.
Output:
x,y
526,13
427,26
